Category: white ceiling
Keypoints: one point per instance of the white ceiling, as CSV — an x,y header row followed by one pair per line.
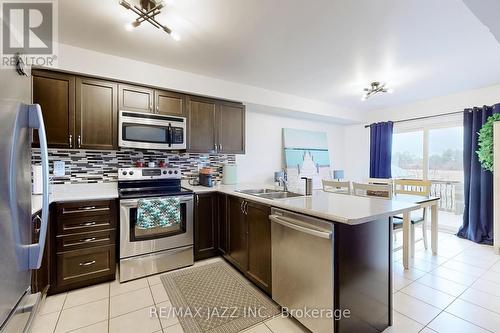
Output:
x,y
487,11
327,50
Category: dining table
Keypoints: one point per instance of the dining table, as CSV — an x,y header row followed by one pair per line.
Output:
x,y
424,202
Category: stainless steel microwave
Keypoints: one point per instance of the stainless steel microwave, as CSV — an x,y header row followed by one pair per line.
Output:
x,y
151,131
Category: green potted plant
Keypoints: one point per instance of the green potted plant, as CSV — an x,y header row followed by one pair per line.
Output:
x,y
485,142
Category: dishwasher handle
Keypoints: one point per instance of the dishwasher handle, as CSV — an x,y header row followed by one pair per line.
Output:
x,y
289,223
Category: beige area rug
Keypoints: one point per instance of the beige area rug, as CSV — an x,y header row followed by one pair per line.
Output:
x,y
215,298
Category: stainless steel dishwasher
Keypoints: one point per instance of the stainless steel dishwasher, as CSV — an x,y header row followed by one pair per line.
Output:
x,y
302,266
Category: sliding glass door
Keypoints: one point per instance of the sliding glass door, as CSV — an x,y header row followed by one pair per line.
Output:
x,y
433,152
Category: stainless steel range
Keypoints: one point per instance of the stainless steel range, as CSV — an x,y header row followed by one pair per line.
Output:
x,y
146,251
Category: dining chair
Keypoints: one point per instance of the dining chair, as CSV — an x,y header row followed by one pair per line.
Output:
x,y
334,186
381,188
372,190
381,181
413,187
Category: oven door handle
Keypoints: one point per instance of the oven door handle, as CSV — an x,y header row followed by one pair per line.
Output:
x,y
132,203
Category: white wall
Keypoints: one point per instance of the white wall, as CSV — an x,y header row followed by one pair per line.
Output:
x,y
357,139
438,105
264,148
75,59
357,153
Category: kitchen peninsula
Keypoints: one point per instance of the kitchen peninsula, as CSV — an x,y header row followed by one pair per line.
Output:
x,y
236,225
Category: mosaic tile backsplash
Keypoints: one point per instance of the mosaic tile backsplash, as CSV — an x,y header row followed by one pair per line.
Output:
x,y
95,166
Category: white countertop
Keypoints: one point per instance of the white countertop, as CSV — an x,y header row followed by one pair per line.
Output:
x,y
76,192
341,208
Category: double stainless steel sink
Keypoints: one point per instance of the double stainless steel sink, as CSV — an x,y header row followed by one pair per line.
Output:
x,y
270,193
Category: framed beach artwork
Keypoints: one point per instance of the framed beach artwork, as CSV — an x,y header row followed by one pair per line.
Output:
x,y
306,155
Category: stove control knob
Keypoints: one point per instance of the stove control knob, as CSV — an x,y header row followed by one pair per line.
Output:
x,y
176,172
169,172
124,173
131,173
164,172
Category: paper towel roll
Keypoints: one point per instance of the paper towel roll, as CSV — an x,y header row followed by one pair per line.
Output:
x,y
37,179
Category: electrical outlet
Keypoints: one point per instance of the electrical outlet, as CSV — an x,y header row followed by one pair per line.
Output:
x,y
59,168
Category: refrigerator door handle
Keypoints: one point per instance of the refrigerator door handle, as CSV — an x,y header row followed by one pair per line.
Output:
x,y
36,122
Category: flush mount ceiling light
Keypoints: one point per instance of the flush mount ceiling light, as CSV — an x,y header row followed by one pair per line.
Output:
x,y
147,12
375,88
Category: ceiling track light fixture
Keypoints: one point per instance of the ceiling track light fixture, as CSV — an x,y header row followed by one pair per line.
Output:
x,y
375,88
147,12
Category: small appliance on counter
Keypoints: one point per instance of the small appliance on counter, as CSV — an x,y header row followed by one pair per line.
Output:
x,y
229,174
206,177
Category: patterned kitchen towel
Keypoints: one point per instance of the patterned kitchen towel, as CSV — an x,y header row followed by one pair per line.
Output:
x,y
152,213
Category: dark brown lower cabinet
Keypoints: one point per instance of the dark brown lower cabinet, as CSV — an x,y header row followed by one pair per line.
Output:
x,y
205,225
259,244
86,266
249,240
40,278
83,244
237,232
222,224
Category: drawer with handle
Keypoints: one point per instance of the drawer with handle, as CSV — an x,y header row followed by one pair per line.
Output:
x,y
85,240
76,209
84,265
85,224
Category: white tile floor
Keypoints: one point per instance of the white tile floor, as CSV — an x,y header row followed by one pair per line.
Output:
x,y
456,291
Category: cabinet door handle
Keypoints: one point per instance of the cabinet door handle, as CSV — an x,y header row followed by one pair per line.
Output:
x,y
88,263
86,208
37,223
245,208
87,224
86,240
241,207
70,137
79,139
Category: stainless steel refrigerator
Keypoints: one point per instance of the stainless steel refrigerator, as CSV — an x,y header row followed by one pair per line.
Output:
x,y
18,256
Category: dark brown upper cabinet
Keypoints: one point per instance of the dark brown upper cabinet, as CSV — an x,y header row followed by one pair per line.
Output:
x,y
231,128
82,113
135,98
215,126
78,112
201,125
96,114
55,92
170,103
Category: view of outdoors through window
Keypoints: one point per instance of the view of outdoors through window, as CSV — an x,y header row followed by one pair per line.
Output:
x,y
445,166
446,154
407,155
